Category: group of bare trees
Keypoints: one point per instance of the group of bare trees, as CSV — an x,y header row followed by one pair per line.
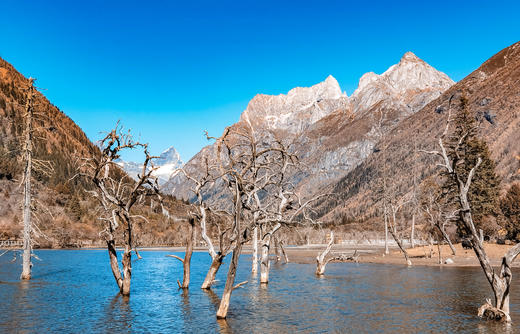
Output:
x,y
252,175
256,199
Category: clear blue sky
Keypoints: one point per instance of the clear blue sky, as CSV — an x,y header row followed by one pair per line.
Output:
x,y
170,70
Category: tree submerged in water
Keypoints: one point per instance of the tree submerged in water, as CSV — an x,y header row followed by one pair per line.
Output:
x,y
455,164
117,194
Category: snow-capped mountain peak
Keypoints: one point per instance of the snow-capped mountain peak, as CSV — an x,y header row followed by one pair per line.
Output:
x,y
169,156
167,163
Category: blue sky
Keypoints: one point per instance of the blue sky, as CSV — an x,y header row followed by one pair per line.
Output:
x,y
170,70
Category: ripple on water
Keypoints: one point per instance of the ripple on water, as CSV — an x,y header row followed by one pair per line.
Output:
x,y
74,292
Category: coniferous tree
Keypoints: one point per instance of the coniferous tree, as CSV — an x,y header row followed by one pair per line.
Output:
x,y
465,146
510,205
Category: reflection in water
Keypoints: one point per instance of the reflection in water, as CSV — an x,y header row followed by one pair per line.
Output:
x,y
74,291
224,327
215,300
118,312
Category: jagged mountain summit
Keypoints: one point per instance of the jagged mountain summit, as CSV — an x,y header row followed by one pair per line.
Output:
x,y
493,97
295,111
411,82
168,162
330,132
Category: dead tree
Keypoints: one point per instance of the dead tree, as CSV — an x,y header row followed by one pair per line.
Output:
x,y
30,164
254,259
200,185
186,261
321,263
435,209
118,193
393,228
245,167
279,204
282,248
291,212
500,281
322,259
27,224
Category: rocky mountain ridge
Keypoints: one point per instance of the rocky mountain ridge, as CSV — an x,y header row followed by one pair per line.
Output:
x,y
493,93
330,132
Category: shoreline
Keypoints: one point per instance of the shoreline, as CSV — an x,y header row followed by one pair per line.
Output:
x,y
367,254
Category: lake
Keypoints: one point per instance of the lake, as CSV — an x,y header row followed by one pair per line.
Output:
x,y
73,291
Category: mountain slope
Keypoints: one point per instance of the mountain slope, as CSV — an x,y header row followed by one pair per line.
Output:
x,y
64,214
493,92
330,132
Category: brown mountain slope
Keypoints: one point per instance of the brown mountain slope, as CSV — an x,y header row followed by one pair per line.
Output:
x,y
65,215
493,91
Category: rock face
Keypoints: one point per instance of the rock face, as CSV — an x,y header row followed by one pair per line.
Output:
x,y
411,83
336,144
493,96
330,132
298,109
168,162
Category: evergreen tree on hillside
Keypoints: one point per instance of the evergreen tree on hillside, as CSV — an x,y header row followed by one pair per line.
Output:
x,y
510,205
465,146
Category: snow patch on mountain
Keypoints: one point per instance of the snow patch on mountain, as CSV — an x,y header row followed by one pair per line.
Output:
x,y
168,162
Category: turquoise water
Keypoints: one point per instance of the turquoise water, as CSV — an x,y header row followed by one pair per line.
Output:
x,y
73,291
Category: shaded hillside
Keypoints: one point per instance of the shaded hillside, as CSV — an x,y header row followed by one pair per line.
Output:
x,y
64,212
493,92
58,138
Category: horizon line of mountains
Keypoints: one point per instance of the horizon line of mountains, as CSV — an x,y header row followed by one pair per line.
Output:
x,y
337,137
411,81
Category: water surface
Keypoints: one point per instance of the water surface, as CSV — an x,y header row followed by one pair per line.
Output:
x,y
73,291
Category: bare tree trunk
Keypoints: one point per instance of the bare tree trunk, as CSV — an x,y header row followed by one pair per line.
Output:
x,y
265,264
412,235
114,265
403,250
127,261
230,281
186,262
430,246
212,272
393,233
286,258
439,250
254,264
27,223
447,238
187,257
321,263
386,232
232,271
264,260
277,249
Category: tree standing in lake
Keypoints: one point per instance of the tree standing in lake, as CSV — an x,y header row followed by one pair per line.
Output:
x,y
455,163
118,193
